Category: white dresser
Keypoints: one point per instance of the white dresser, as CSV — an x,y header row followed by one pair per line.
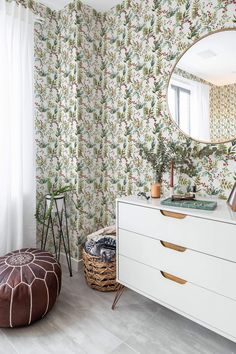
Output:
x,y
184,259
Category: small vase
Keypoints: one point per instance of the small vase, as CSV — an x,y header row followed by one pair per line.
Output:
x,y
156,190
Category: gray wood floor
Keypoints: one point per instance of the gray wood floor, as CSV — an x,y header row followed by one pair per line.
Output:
x,y
82,322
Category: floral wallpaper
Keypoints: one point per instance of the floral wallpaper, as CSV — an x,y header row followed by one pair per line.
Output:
x,y
189,76
78,155
100,89
223,112
143,41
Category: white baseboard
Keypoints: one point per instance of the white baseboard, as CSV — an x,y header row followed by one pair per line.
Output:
x,y
75,263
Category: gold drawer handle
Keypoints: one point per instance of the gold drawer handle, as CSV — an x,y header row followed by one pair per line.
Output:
x,y
173,247
171,214
173,278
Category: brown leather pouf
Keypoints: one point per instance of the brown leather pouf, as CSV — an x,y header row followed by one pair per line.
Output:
x,y
30,281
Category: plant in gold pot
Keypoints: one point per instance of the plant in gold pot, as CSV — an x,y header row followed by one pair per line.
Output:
x,y
166,155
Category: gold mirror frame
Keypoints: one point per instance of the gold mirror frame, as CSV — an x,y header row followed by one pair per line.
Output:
x,y
168,83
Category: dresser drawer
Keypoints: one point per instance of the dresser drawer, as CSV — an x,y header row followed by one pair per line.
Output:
x,y
204,235
212,309
213,273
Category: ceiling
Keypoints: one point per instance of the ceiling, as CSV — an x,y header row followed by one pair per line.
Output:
x,y
213,58
99,5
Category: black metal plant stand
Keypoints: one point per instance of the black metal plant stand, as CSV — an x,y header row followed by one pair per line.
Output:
x,y
63,235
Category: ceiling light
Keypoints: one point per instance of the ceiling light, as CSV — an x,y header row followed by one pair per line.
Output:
x,y
206,54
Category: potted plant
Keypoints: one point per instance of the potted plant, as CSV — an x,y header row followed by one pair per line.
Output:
x,y
164,156
52,201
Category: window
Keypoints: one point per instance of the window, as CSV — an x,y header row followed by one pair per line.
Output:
x,y
180,102
189,106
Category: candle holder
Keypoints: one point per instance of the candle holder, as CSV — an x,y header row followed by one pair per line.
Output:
x,y
232,198
171,178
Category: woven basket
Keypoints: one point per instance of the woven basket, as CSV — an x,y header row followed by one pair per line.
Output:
x,y
100,275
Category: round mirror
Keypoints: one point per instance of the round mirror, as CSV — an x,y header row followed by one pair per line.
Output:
x,y
202,89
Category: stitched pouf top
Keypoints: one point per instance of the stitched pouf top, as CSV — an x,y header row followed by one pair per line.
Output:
x,y
30,281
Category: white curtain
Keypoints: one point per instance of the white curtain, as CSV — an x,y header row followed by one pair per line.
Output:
x,y
200,122
17,153
199,106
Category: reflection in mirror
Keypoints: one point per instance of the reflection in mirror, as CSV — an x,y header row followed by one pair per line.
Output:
x,y
202,89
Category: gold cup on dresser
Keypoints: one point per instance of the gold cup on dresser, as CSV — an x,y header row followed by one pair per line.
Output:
x,y
156,190
156,187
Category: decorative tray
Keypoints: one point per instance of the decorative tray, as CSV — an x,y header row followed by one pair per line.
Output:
x,y
193,204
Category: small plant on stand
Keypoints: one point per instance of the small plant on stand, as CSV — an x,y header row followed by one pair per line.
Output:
x,y
49,212
54,194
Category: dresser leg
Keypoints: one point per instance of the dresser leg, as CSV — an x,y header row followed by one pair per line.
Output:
x,y
118,295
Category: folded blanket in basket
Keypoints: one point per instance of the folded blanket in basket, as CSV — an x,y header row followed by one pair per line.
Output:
x,y
109,230
105,248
